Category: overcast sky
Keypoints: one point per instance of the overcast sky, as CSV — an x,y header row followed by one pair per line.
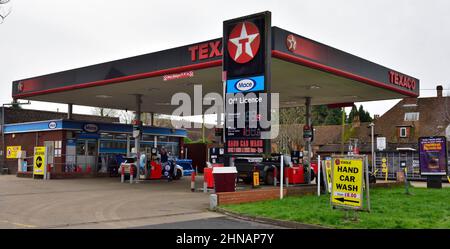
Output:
x,y
46,36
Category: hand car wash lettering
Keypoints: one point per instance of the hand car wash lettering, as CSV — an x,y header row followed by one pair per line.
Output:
x,y
347,178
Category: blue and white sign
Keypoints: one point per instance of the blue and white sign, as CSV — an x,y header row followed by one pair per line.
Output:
x,y
52,125
250,84
91,128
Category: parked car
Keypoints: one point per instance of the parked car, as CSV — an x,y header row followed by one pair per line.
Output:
x,y
186,165
128,162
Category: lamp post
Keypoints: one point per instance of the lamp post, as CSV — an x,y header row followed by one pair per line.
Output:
x,y
371,125
3,128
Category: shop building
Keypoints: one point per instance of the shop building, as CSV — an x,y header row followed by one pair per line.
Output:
x,y
86,147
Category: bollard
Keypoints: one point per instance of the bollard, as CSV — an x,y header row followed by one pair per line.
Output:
x,y
122,174
193,181
213,201
131,174
275,177
49,167
287,181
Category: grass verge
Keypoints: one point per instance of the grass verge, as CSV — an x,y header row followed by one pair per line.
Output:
x,y
391,208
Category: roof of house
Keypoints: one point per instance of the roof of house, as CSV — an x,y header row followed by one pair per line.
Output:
x,y
433,119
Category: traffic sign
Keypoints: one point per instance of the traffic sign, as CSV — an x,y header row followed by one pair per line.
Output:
x,y
347,182
39,160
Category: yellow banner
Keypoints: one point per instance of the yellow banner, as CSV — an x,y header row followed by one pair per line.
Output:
x,y
347,182
12,151
328,173
39,160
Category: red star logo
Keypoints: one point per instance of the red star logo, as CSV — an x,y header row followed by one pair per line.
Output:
x,y
291,43
243,42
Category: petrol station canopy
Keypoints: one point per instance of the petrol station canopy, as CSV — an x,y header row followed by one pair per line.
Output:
x,y
300,68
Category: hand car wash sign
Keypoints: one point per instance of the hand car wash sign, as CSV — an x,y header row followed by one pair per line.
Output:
x,y
246,71
347,182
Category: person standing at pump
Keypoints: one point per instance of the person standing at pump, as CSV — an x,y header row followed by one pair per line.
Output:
x,y
164,155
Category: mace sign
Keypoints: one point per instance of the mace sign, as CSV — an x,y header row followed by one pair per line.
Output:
x,y
347,182
39,160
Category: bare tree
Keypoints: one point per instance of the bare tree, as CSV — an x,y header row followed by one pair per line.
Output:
x,y
105,112
126,116
5,9
123,115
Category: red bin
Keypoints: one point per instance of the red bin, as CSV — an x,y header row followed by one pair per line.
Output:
x,y
225,179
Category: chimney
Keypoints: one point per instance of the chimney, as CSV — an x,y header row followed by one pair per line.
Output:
x,y
439,91
376,116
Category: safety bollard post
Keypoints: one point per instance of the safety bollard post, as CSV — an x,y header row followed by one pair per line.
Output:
x,y
49,167
131,174
122,174
193,181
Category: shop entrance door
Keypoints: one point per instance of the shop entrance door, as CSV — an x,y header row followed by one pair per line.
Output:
x,y
87,154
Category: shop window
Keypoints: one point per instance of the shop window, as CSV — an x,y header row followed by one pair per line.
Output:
x,y
57,148
174,139
148,138
81,148
92,148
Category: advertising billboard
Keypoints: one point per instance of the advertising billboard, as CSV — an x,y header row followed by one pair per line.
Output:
x,y
433,155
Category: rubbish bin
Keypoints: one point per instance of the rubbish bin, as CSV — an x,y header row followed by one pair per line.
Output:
x,y
225,179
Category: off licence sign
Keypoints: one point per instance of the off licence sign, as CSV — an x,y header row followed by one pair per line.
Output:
x,y
347,182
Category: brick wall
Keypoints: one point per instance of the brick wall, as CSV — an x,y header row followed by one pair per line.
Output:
x,y
262,194
28,141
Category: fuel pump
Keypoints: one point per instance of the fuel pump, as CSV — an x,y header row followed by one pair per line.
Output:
x,y
216,155
154,166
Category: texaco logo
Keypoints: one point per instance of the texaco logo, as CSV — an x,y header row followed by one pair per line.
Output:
x,y
291,43
20,87
243,42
